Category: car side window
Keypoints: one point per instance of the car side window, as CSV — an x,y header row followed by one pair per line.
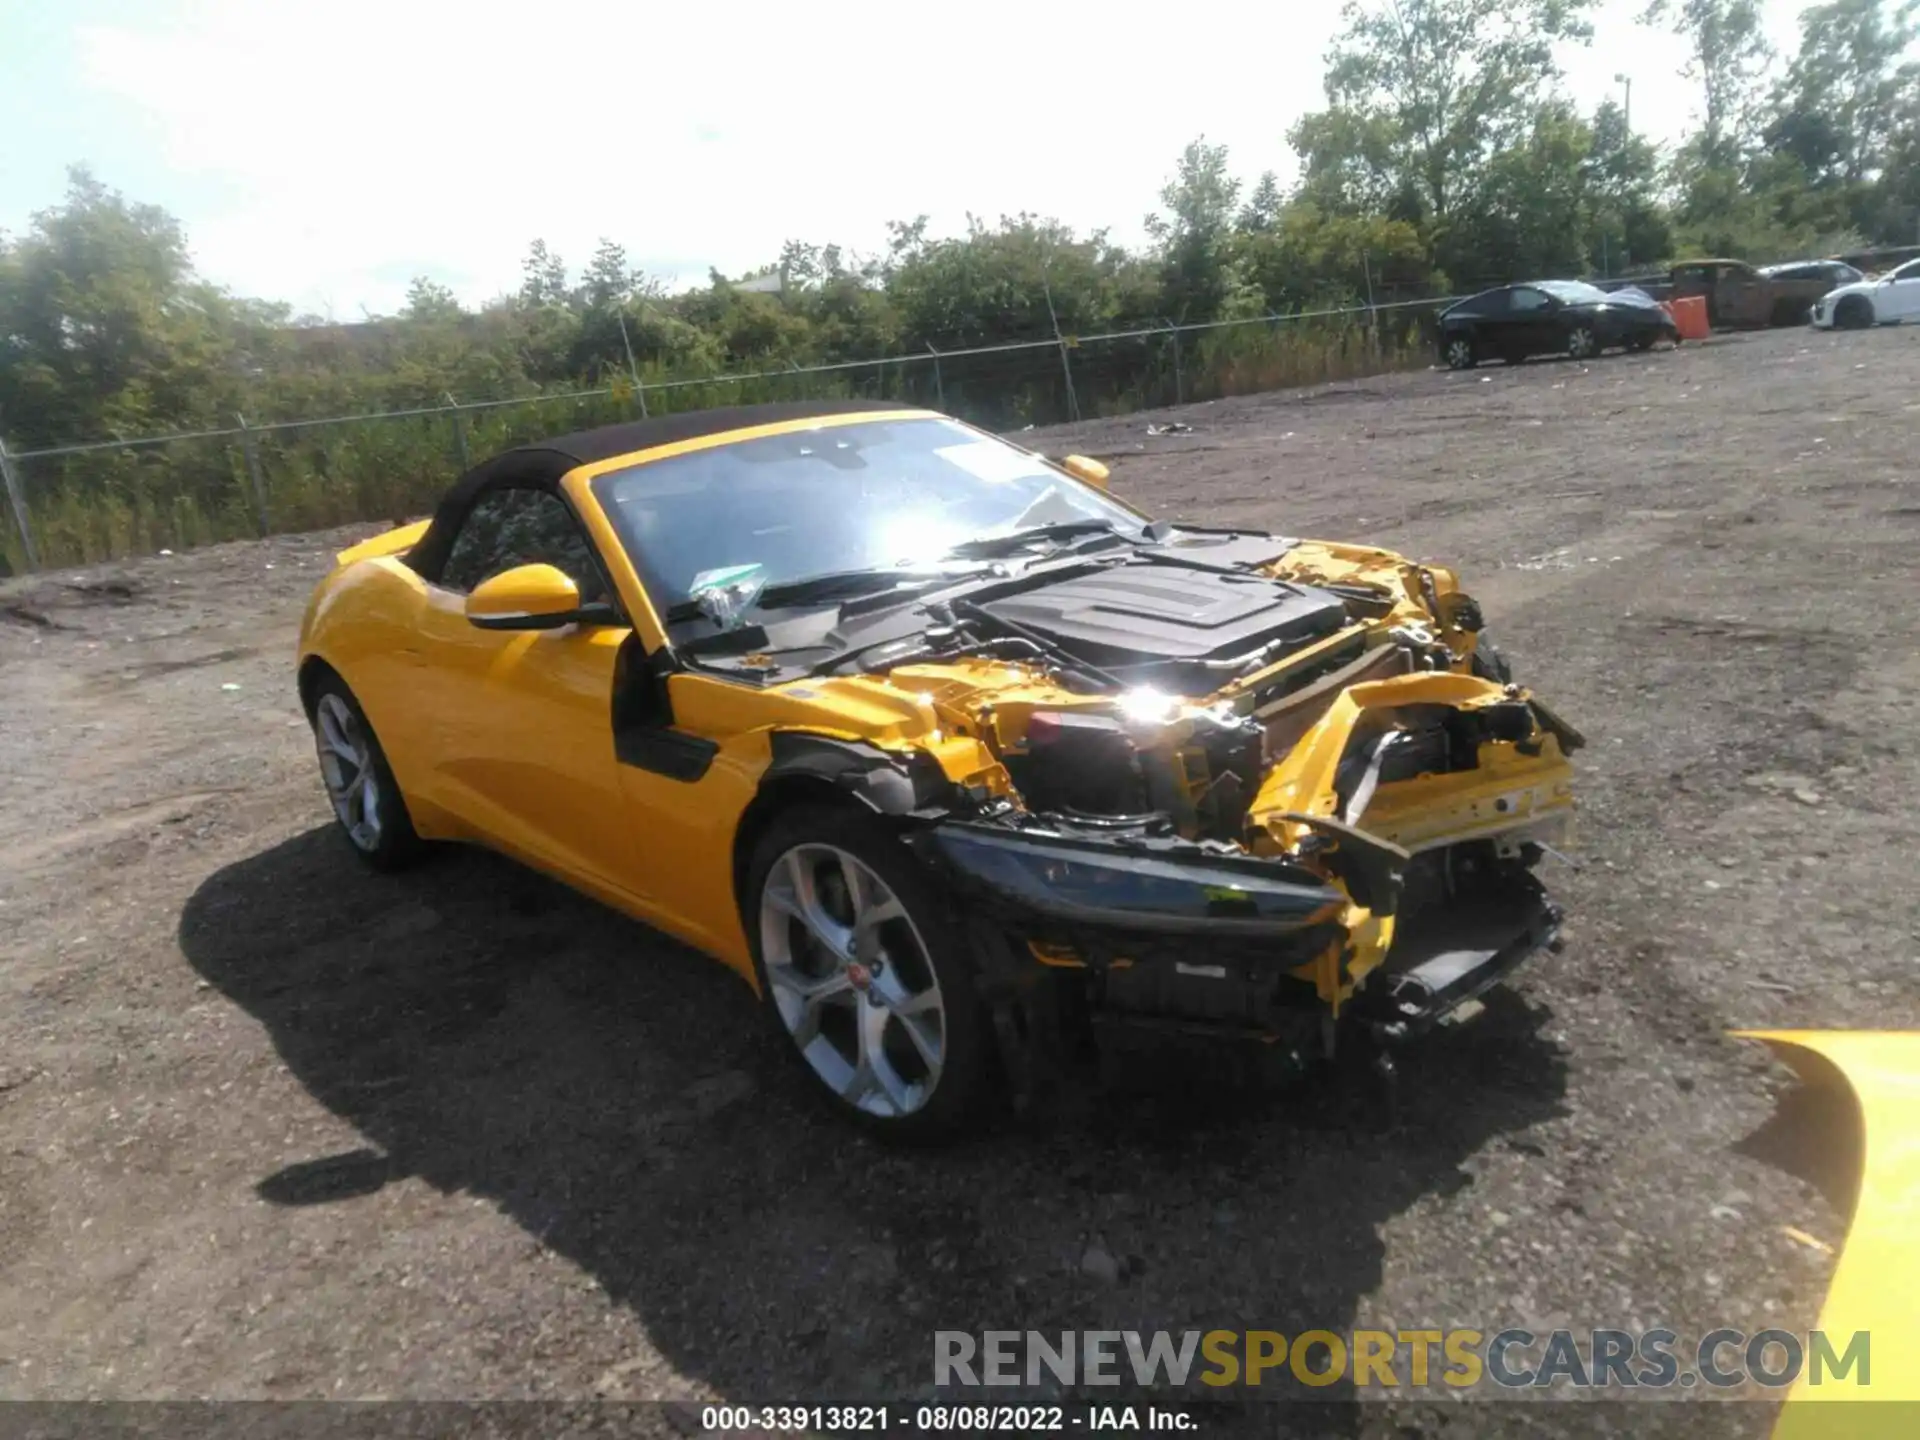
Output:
x,y
510,527
1525,301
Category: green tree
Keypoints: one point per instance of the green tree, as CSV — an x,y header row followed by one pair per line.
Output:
x,y
1262,210
543,279
1200,202
1841,99
609,280
1897,197
1422,92
103,324
993,284
429,302
1532,210
1629,224
1310,259
1727,53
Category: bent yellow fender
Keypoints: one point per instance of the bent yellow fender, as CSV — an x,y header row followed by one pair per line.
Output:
x,y
1875,1076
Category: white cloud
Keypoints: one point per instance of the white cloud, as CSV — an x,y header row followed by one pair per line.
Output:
x,y
370,140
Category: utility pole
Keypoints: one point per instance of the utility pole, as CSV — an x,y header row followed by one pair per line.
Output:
x,y
1066,370
1627,80
639,390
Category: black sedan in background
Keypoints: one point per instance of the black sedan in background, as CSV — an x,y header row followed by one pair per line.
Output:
x,y
1550,317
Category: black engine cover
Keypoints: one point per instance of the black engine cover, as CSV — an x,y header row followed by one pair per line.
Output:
x,y
1159,624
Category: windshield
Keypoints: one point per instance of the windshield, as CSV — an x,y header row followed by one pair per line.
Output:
x,y
833,498
1577,291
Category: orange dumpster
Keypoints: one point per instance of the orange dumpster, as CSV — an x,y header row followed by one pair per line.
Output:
x,y
1689,312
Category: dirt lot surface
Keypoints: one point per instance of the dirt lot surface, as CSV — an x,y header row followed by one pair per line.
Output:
x,y
274,1127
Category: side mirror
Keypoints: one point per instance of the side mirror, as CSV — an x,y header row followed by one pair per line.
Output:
x,y
531,597
1089,472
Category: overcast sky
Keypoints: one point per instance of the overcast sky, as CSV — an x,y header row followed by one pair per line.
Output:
x,y
323,152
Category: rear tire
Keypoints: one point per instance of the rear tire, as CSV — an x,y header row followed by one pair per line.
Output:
x,y
866,977
367,804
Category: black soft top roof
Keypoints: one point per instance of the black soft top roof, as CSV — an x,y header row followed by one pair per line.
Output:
x,y
544,462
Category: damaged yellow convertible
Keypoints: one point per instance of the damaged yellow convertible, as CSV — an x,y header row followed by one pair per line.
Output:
x,y
957,758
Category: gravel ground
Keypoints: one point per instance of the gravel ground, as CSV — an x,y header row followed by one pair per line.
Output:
x,y
273,1127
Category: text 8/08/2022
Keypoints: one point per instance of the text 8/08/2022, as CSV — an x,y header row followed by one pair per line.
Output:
x,y
962,1419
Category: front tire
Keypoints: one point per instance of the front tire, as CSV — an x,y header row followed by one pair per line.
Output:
x,y
1583,343
1855,313
1460,352
367,803
865,976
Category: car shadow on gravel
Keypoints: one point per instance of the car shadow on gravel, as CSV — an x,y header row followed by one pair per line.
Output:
x,y
620,1098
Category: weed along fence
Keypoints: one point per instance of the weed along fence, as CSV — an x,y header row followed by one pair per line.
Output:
x,y
106,499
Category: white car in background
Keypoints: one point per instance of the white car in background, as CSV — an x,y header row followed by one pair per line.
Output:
x,y
1882,300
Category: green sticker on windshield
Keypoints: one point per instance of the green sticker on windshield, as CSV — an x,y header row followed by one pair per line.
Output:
x,y
726,575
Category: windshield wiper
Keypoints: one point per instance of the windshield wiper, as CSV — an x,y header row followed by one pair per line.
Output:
x,y
845,585
827,585
988,545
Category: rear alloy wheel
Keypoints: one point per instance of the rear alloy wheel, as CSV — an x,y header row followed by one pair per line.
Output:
x,y
1583,343
1855,313
366,802
1459,353
864,974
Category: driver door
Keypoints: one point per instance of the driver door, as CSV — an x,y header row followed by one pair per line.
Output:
x,y
1532,324
521,742
1899,298
1745,297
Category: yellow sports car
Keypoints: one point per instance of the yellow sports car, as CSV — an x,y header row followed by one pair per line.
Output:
x,y
954,756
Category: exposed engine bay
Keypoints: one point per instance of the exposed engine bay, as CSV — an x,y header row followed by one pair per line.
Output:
x,y
1217,778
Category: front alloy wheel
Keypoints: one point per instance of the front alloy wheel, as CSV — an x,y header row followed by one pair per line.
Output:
x,y
1583,344
346,765
366,802
861,974
1460,354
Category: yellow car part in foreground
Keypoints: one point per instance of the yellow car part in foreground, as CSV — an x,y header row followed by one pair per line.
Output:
x,y
1873,1078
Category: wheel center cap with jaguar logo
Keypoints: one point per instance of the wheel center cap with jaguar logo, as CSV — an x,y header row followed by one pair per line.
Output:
x,y
859,976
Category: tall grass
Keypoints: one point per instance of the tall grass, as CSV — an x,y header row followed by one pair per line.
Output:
x,y
109,504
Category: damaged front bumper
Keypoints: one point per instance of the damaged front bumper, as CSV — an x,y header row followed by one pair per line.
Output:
x,y
1395,897
1455,956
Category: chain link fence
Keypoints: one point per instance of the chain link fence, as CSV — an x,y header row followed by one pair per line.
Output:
x,y
107,499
